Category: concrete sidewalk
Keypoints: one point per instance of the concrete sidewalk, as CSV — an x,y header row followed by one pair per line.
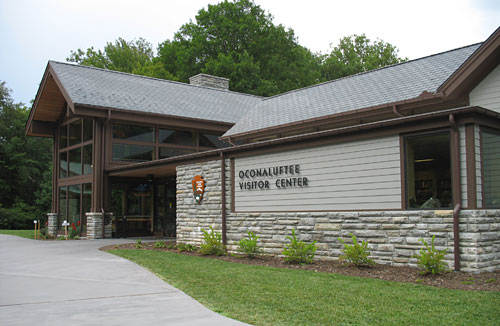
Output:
x,y
73,283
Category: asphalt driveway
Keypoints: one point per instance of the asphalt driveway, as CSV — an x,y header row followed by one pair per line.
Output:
x,y
73,283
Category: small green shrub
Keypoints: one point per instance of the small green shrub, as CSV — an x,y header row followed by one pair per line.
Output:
x,y
298,251
170,245
183,247
159,244
212,243
249,246
356,254
430,259
138,244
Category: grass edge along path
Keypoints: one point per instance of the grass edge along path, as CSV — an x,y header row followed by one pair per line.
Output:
x,y
273,296
28,234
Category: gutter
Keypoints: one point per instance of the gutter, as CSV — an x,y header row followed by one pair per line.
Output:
x,y
457,195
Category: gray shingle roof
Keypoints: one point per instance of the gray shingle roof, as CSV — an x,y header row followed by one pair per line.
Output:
x,y
106,88
386,85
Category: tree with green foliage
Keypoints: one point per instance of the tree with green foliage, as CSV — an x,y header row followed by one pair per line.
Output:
x,y
25,166
238,40
136,57
355,54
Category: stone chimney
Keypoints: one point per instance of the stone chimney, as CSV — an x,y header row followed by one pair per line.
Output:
x,y
210,81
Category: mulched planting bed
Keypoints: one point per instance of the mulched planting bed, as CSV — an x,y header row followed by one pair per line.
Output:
x,y
453,280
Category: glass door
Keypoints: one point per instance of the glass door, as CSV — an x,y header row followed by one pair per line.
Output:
x,y
132,205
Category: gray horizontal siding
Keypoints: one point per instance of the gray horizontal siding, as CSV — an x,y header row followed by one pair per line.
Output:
x,y
487,93
355,175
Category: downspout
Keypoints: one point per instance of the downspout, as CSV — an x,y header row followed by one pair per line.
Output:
x,y
456,192
223,195
396,111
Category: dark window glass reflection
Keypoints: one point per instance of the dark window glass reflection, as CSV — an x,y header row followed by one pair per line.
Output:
x,y
177,137
133,132
132,153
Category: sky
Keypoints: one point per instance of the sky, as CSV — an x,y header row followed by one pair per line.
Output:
x,y
35,31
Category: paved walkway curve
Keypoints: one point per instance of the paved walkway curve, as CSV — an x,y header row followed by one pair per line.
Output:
x,y
73,283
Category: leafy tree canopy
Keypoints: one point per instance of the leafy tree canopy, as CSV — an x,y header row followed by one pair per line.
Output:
x,y
238,40
25,162
136,57
355,54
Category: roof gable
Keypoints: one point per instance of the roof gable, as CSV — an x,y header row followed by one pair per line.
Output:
x,y
475,68
94,87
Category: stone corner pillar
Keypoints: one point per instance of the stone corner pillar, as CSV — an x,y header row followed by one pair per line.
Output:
x,y
52,224
94,225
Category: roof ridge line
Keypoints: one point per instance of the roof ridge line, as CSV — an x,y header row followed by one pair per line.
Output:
x,y
369,71
154,78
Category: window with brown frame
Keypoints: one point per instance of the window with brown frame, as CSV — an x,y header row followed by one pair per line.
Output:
x,y
136,143
428,171
75,148
74,203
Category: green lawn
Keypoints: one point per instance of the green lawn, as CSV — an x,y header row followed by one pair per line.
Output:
x,y
271,296
29,234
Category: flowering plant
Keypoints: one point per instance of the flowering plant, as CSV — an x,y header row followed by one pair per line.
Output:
x,y
75,230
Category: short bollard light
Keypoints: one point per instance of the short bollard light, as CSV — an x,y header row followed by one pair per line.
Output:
x,y
65,224
35,221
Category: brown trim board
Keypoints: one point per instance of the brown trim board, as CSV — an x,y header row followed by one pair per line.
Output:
x,y
476,67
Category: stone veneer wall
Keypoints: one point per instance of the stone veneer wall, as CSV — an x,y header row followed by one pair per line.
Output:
x,y
393,236
95,223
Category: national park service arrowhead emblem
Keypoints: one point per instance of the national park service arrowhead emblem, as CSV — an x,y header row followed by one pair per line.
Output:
x,y
198,188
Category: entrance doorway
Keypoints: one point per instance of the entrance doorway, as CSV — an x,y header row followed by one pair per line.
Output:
x,y
142,208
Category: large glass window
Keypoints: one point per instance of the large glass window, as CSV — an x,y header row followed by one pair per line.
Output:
x,y
132,153
74,201
75,151
75,161
86,201
63,165
212,141
62,205
88,129
428,171
75,132
491,168
63,137
133,143
177,137
133,133
87,159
